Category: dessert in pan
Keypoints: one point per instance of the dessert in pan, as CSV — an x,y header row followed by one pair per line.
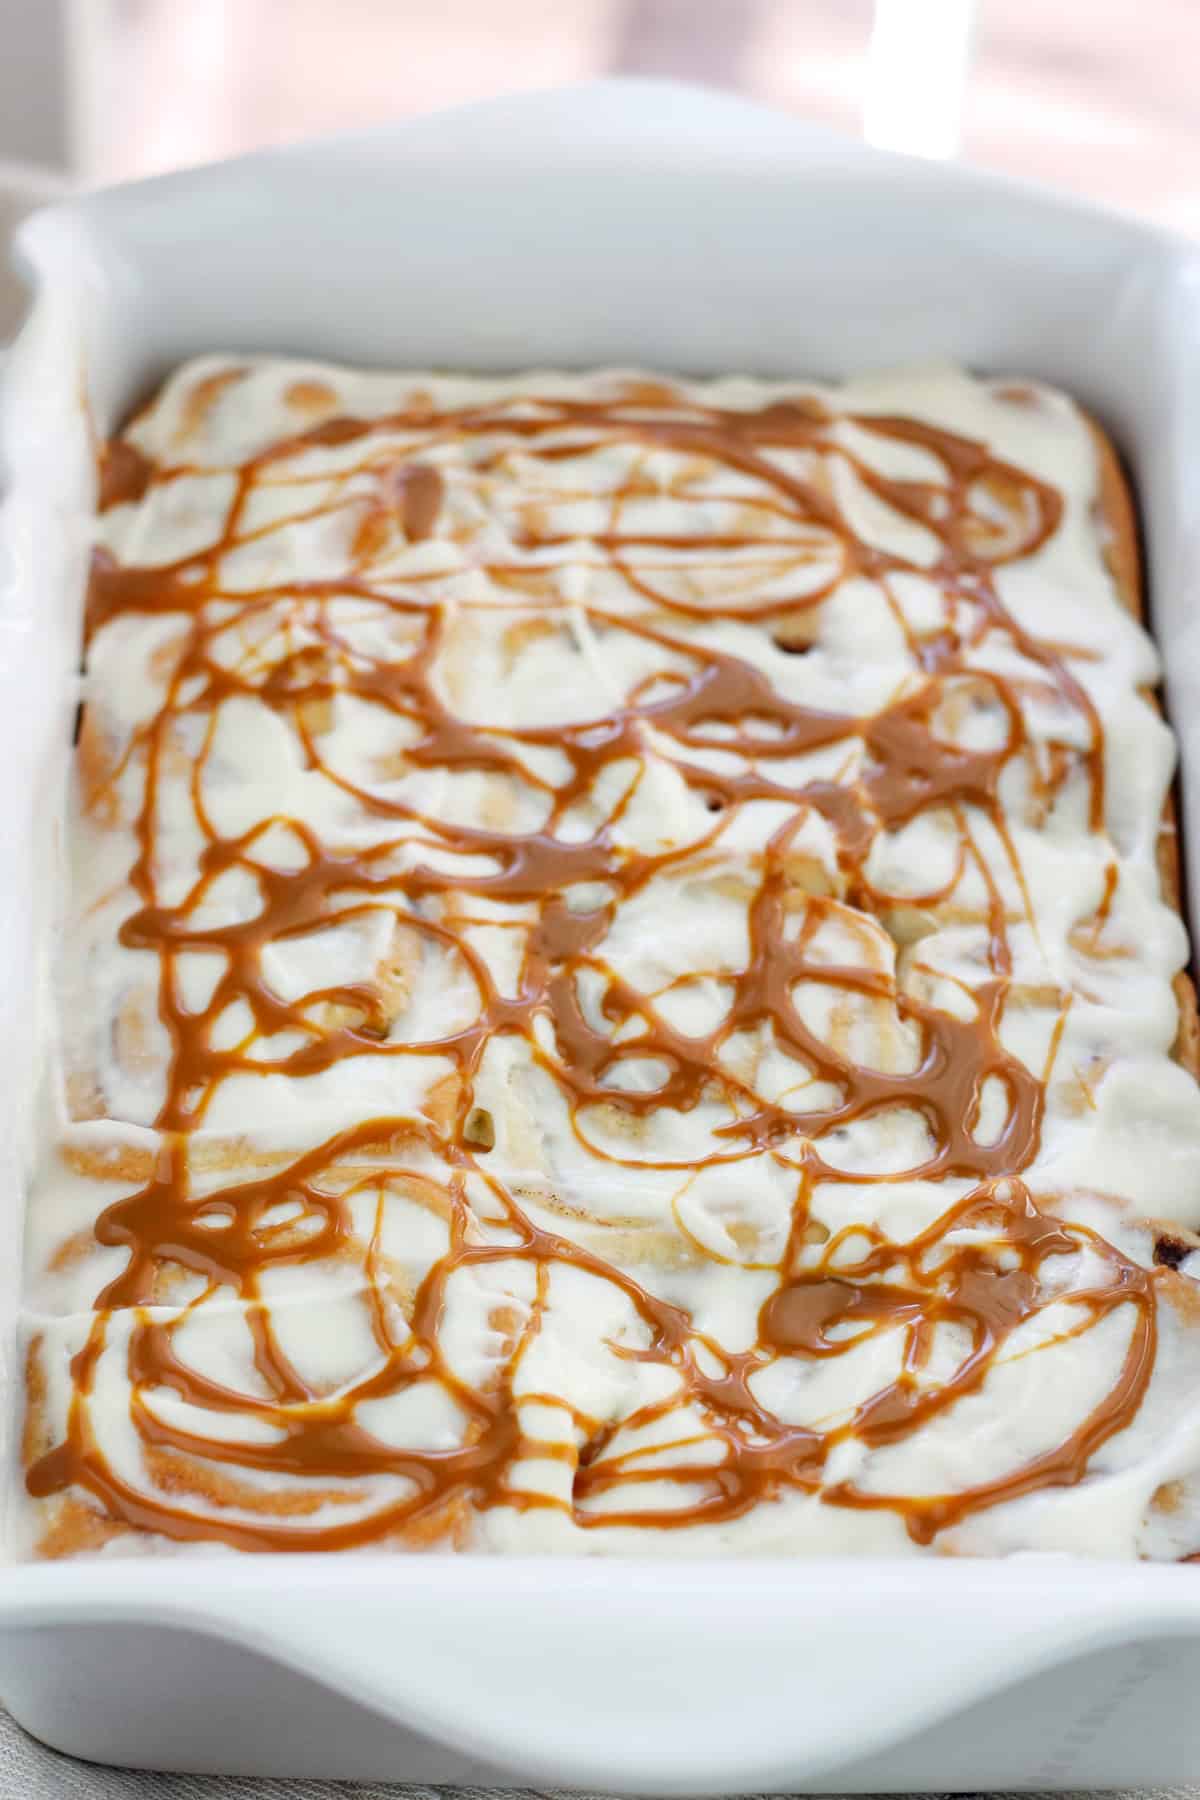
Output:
x,y
621,982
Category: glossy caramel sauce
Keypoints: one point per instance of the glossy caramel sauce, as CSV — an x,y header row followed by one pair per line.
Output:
x,y
983,512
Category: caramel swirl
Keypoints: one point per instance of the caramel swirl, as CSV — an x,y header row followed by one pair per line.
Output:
x,y
773,485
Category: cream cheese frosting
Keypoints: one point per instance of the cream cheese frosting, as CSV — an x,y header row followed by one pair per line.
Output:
x,y
617,991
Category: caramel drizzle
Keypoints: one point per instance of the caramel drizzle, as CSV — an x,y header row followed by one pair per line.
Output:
x,y
987,1288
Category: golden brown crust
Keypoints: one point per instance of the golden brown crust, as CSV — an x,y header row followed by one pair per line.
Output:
x,y
1186,1048
1117,523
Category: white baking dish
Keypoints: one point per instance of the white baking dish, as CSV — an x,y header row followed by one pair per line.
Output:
x,y
631,223
22,188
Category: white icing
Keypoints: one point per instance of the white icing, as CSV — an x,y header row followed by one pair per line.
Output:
x,y
1090,1006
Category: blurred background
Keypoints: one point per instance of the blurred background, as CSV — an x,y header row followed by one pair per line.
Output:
x,y
1095,96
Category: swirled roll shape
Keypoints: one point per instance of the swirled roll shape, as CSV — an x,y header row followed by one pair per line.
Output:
x,y
620,987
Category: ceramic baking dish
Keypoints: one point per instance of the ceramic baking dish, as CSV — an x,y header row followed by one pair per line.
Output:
x,y
626,223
